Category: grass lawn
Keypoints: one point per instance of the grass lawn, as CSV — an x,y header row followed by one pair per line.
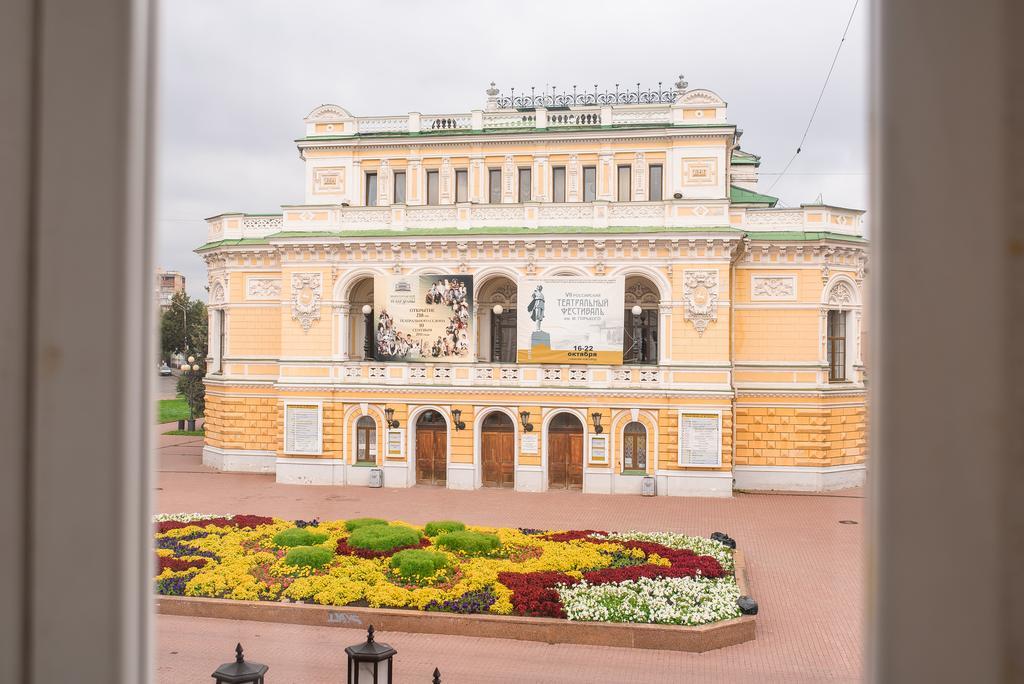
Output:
x,y
186,433
172,410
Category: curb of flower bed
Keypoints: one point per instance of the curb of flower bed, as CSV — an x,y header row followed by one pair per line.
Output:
x,y
550,630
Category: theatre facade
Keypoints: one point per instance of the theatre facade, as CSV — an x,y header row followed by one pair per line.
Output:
x,y
560,290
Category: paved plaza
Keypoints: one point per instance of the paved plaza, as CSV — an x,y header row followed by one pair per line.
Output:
x,y
805,570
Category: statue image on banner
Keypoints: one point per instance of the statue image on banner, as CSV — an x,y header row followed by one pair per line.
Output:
x,y
423,318
572,320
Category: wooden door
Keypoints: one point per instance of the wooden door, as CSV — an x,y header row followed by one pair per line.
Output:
x,y
565,459
497,452
431,456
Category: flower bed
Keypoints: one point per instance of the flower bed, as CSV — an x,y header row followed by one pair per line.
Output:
x,y
578,575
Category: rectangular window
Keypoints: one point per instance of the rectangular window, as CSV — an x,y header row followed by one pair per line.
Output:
x,y
625,191
558,184
525,183
655,173
399,187
461,185
432,187
494,185
836,346
220,341
589,183
371,189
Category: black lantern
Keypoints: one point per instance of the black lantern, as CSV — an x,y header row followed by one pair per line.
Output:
x,y
524,417
457,419
389,413
596,418
240,672
369,663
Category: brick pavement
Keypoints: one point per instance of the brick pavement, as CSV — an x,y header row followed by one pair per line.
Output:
x,y
805,570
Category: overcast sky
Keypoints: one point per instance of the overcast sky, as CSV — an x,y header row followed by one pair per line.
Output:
x,y
237,77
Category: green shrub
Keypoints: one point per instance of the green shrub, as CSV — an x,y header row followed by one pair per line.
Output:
x,y
383,537
438,526
355,523
468,542
418,564
309,556
298,536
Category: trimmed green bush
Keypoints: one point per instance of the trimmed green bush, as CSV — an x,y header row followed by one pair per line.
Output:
x,y
383,537
355,523
309,556
468,542
436,527
298,536
418,564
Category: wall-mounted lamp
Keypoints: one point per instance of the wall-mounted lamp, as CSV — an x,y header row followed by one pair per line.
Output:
x,y
457,419
596,418
524,417
498,309
389,413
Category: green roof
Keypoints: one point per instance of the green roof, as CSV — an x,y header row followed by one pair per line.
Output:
x,y
515,232
739,195
739,158
526,129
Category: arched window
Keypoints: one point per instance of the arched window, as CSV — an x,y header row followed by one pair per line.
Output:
x,y
640,334
366,440
634,447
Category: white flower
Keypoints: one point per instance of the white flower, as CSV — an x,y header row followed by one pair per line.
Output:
x,y
185,517
667,600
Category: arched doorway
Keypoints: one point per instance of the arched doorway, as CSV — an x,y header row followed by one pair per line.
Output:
x,y
640,334
496,320
498,451
431,449
565,452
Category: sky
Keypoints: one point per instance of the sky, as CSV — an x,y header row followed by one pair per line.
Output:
x,y
236,78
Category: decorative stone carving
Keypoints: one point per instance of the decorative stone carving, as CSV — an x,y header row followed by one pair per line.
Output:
x,y
263,288
217,293
773,287
638,292
700,296
840,295
307,290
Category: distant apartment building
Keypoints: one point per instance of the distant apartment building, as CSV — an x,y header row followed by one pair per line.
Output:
x,y
167,284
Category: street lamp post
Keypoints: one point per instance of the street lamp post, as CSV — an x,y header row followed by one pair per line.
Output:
x,y
190,367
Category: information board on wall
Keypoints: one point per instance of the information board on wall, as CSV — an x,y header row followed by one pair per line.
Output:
x,y
302,429
599,449
530,443
423,318
394,444
570,320
700,439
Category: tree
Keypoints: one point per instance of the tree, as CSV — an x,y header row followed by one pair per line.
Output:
x,y
192,387
183,328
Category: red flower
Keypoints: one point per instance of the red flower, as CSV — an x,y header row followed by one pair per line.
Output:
x,y
343,549
533,593
235,521
572,535
177,565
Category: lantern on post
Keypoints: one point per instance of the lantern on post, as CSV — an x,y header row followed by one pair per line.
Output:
x,y
370,662
240,672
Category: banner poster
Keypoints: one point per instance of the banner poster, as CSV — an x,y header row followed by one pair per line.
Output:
x,y
423,318
570,320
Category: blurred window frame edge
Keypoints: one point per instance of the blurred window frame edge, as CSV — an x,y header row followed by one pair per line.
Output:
x,y
51,52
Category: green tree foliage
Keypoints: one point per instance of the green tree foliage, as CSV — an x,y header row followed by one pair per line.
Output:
x,y
183,328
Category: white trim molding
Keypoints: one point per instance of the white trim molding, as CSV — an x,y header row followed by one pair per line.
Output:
x,y
799,479
239,460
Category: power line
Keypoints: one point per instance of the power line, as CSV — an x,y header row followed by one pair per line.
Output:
x,y
820,95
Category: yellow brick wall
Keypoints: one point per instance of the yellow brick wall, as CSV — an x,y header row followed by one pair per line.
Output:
x,y
816,435
777,335
243,422
254,331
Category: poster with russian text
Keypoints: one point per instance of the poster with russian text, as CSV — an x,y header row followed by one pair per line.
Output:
x,y
423,318
570,319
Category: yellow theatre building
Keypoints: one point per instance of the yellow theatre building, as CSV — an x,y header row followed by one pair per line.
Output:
x,y
560,290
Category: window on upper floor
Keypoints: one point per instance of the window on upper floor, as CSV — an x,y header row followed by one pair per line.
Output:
x,y
836,346
558,184
589,183
371,189
655,173
399,187
503,337
525,185
640,336
433,187
221,339
494,186
461,185
625,175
